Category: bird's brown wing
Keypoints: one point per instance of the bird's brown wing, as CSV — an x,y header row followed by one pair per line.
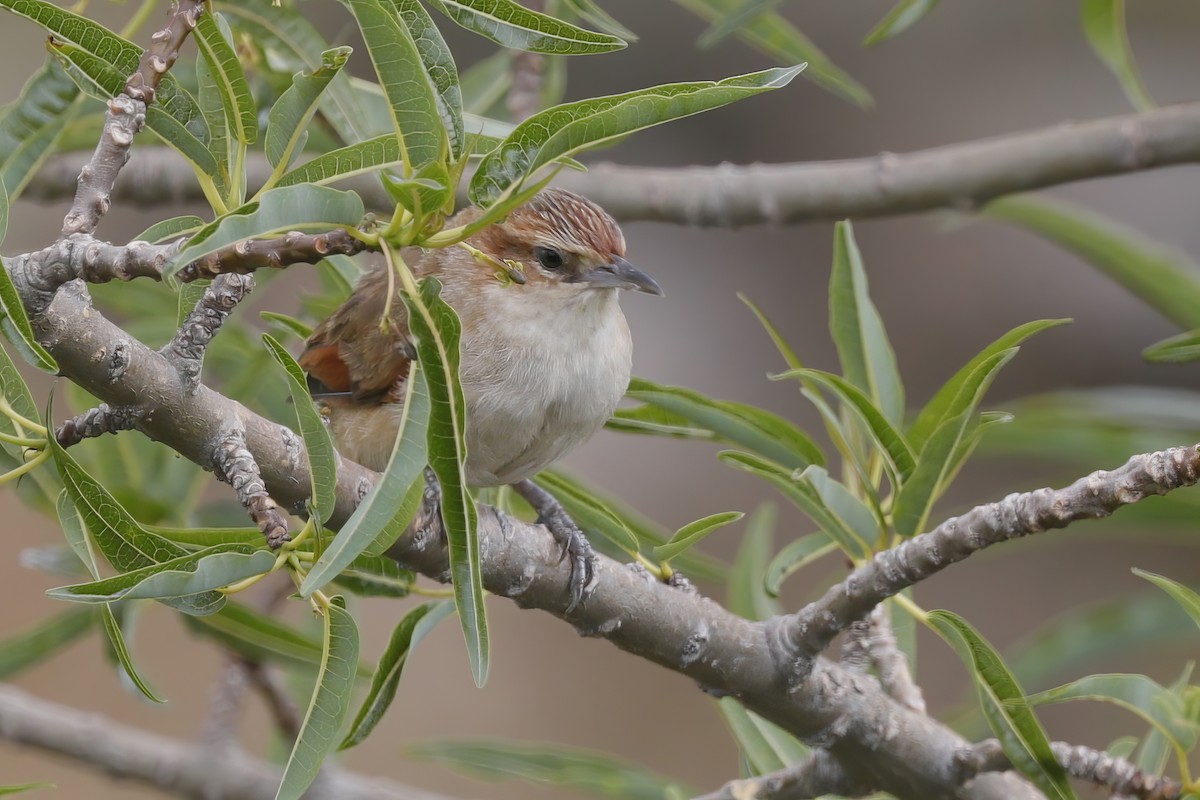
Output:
x,y
363,349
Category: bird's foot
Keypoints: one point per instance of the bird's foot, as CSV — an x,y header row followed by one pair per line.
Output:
x,y
574,544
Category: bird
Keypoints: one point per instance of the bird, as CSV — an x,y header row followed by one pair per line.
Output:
x,y
545,350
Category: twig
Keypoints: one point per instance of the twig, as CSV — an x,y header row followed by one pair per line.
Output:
x,y
236,465
125,118
179,768
278,253
818,776
961,176
809,631
1095,766
187,347
96,422
871,643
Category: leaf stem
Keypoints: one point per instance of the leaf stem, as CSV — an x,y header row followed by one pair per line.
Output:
x,y
15,416
26,467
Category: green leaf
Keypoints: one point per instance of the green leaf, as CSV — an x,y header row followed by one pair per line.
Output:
x,y
765,746
518,28
376,576
568,129
655,421
121,650
17,326
753,428
951,399
1187,599
591,11
902,16
440,71
224,149
318,443
746,11
125,544
240,110
202,537
194,573
275,212
887,437
693,532
1161,707
287,324
1008,714
1155,750
330,702
1174,350
288,119
415,625
411,99
384,513
171,228
27,648
745,593
34,123
770,33
862,343
1104,26
24,787
1165,279
258,636
345,162
794,557
928,481
437,329
568,767
174,116
785,349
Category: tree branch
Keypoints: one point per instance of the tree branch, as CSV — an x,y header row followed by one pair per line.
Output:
x,y
177,767
1095,766
818,776
960,176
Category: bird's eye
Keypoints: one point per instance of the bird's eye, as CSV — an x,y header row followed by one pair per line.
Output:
x,y
548,257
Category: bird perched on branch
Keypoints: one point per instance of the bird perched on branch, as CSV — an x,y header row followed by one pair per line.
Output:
x,y
545,350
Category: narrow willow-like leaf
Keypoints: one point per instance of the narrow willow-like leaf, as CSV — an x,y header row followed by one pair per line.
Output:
x,y
1157,705
1174,350
125,544
440,71
1164,278
789,355
862,343
1008,713
387,510
1104,26
27,648
34,123
655,421
888,438
1187,599
202,537
15,391
275,212
346,162
318,443
516,27
287,324
591,11
197,572
240,110
765,746
746,11
693,532
121,651
24,787
437,329
745,592
258,636
224,148
772,34
329,705
916,497
902,16
19,330
183,128
950,398
1156,750
289,117
570,128
411,99
570,768
171,228
415,625
376,576
738,423
796,556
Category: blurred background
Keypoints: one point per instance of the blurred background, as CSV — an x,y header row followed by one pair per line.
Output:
x,y
945,286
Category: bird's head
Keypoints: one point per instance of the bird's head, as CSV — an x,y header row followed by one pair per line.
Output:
x,y
566,241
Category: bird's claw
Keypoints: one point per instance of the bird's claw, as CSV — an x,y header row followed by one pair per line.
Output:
x,y
576,547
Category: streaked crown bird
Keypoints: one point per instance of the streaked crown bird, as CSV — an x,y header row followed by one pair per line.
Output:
x,y
544,360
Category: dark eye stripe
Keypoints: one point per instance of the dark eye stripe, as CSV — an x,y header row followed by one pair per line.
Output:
x,y
548,257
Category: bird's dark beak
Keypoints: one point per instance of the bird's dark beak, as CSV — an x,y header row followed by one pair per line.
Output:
x,y
620,274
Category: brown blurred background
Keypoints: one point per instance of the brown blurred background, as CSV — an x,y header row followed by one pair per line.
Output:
x,y
971,69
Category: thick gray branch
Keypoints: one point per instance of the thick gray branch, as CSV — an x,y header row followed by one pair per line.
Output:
x,y
809,631
958,176
1095,766
176,767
